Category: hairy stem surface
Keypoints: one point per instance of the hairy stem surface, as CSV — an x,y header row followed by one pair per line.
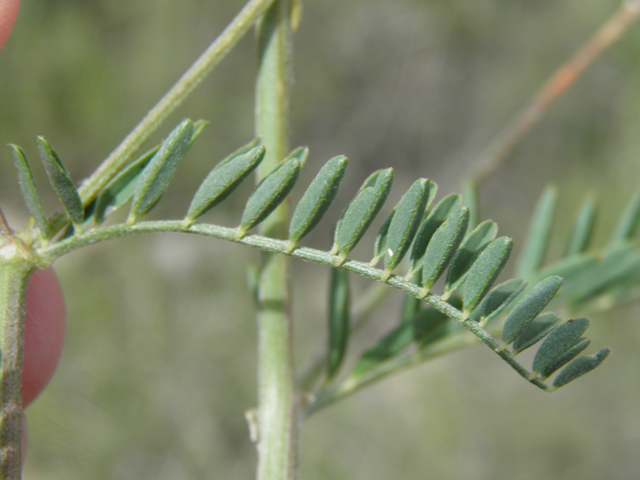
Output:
x,y
277,409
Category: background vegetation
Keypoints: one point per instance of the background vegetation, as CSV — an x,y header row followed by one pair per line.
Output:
x,y
160,359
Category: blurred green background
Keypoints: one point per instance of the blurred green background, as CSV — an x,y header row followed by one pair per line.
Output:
x,y
159,365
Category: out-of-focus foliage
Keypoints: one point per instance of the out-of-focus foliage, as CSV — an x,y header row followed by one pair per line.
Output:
x,y
419,85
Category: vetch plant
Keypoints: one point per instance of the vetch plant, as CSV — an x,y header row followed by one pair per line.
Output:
x,y
423,241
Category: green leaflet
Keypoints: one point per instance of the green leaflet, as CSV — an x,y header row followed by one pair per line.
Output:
x,y
405,221
370,181
270,193
619,263
579,367
572,270
28,188
380,244
428,227
411,305
156,176
439,327
425,322
470,200
629,221
538,237
570,353
222,181
120,189
61,182
558,342
538,328
582,228
361,211
316,199
470,249
339,319
301,153
442,246
500,298
484,271
529,307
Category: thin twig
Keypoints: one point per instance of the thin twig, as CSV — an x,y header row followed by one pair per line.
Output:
x,y
561,81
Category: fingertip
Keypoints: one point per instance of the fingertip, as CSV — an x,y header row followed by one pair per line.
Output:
x,y
8,14
44,332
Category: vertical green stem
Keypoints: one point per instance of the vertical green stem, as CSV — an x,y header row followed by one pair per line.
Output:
x,y
278,409
14,278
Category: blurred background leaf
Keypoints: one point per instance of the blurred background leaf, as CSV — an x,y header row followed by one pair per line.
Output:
x,y
160,359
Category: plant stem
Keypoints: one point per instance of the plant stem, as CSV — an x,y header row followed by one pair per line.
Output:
x,y
14,278
278,422
561,81
169,102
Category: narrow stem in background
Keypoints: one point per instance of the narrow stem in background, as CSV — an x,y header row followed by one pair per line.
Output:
x,y
240,25
277,400
14,278
561,81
